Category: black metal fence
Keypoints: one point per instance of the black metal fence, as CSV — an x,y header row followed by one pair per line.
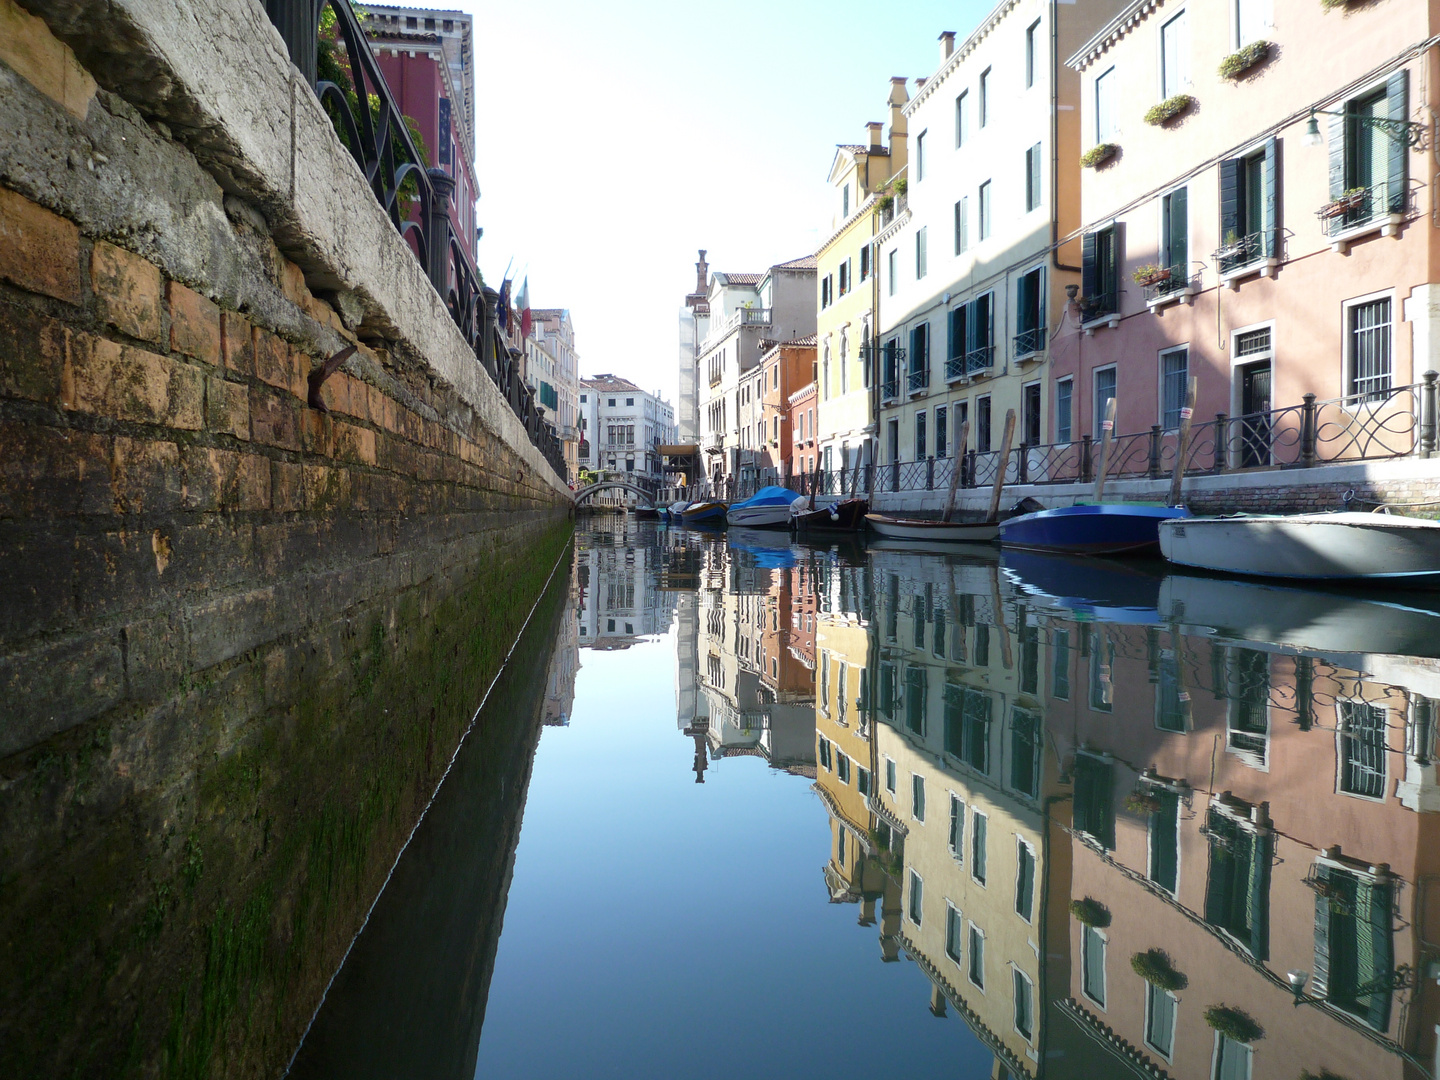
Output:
x,y
371,126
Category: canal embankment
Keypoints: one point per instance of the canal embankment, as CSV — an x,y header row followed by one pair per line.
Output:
x,y
240,633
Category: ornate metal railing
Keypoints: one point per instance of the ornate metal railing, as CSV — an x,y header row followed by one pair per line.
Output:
x,y
1239,253
1028,342
919,379
1361,206
375,132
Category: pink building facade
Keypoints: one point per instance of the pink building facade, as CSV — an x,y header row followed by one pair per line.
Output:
x,y
1229,244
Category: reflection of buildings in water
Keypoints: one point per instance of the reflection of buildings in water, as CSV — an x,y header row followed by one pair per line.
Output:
x,y
565,662
620,601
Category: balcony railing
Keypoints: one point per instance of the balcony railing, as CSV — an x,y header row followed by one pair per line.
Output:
x,y
919,379
1240,253
1029,342
755,316
890,389
1361,206
975,362
1168,282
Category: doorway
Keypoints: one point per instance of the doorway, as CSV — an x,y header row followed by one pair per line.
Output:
x,y
1255,422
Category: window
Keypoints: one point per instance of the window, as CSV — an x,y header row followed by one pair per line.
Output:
x,y
842,770
825,292
941,435
1064,415
1360,745
1092,959
957,827
865,263
1174,57
1100,271
1232,1059
967,726
919,357
1237,893
921,261
1094,811
1024,879
1174,237
1060,659
845,201
985,97
1368,335
612,403
1031,33
954,932
582,399
982,431
920,435
1030,313
1024,1004
825,760
962,226
1174,386
844,273
1032,178
1250,207
978,825
917,898
890,776
1252,21
977,956
894,268
862,776
917,797
1163,827
985,210
1026,750
962,105
1354,944
1159,1020
920,156
1104,394
1105,106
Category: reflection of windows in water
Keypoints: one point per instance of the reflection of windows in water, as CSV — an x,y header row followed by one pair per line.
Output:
x,y
887,689
979,829
1024,879
967,726
840,847
917,796
825,682
1170,696
892,609
842,767
917,898
862,781
1094,809
1024,1005
915,700
957,827
982,645
1361,739
938,639
1354,944
1029,658
1248,714
1060,677
1102,659
890,776
1092,958
1237,896
824,753
1164,836
977,956
1159,1020
1025,751
917,613
840,692
954,932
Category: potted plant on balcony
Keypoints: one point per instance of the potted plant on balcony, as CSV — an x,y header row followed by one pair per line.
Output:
x,y
1242,60
1098,154
1156,968
1348,200
1150,274
1169,109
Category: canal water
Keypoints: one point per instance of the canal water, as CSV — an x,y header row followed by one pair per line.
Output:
x,y
844,810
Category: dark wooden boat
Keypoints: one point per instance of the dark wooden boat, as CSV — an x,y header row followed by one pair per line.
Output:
x,y
647,513
845,516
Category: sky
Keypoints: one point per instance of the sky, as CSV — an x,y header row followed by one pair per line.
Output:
x,y
615,140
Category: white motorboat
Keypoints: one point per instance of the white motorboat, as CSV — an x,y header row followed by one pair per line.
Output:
x,y
1340,546
768,508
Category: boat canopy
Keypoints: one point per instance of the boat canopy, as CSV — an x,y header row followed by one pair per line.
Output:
x,y
768,496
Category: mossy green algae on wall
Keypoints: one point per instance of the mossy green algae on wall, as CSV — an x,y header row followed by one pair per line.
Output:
x,y
181,880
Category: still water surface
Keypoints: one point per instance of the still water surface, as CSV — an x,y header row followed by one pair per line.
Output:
x,y
806,811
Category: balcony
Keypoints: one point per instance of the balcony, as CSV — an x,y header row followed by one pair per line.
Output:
x,y
1167,285
890,389
1361,211
1100,310
919,380
714,443
750,316
1242,257
1029,345
970,365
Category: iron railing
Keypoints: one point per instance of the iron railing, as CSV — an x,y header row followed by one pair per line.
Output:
x,y
1361,206
1176,279
1240,253
919,379
1028,342
379,141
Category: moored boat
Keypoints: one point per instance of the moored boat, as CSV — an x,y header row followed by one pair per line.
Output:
x,y
703,513
1340,546
972,532
647,513
1091,529
671,513
847,515
768,508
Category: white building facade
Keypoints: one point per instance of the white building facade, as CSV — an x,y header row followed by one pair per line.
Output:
x,y
624,428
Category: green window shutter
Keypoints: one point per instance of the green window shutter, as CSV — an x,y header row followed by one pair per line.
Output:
x,y
1164,841
1230,200
1338,129
1116,260
1089,275
1373,903
1177,249
1320,982
1039,288
1271,224
1258,913
954,722
1396,100
1022,304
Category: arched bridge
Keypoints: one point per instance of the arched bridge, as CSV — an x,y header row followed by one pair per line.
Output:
x,y
585,492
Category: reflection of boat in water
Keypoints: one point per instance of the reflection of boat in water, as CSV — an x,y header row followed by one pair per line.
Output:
x,y
1310,620
986,553
1317,547
771,550
1100,589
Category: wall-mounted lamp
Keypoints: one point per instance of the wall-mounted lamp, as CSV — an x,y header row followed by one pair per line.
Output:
x,y
1297,980
1408,132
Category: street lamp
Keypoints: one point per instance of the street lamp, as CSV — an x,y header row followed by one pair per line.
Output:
x,y
1409,132
1297,980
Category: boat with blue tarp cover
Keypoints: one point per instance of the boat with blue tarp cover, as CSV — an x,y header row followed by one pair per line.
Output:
x,y
768,508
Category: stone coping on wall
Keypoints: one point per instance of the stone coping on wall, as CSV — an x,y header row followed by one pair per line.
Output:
x,y
1408,479
216,78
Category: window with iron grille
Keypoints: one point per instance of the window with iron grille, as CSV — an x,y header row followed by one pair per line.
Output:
x,y
1370,331
1174,385
1361,739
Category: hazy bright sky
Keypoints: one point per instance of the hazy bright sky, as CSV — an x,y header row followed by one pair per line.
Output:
x,y
615,139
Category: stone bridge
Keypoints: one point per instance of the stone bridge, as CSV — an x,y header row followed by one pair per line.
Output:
x,y
584,493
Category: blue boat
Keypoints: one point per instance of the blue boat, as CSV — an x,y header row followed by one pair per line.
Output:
x,y
704,513
1091,529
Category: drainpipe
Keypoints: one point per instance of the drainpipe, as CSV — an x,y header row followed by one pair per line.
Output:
x,y
1054,76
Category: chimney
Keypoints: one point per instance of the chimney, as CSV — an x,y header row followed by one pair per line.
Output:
x,y
702,273
947,45
875,127
899,96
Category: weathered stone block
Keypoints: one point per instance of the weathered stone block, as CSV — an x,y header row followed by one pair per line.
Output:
x,y
316,433
237,343
354,443
39,251
47,470
292,283
127,383
273,362
227,407
146,476
32,355
129,291
273,419
287,489
326,488
57,686
194,323
43,60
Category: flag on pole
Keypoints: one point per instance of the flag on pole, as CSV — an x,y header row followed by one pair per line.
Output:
x,y
525,308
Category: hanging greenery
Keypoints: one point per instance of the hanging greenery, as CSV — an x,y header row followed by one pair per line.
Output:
x,y
1242,60
1090,912
1098,155
1235,1024
1168,109
1155,967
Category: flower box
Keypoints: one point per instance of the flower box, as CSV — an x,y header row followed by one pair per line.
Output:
x,y
1242,60
1350,200
1169,109
1146,276
1097,155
